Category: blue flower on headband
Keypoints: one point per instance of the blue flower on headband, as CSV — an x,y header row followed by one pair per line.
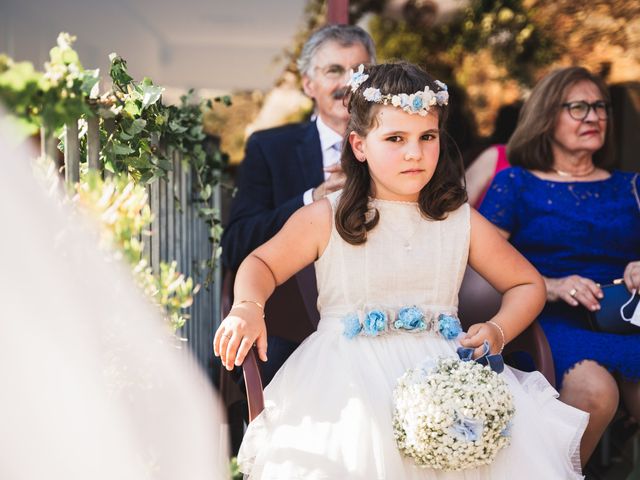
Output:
x,y
449,326
372,94
375,322
442,97
352,326
415,103
410,318
357,78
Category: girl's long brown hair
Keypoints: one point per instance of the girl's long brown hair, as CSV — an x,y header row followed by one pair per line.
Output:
x,y
444,192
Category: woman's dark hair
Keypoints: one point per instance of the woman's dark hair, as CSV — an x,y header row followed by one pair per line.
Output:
x,y
530,145
444,192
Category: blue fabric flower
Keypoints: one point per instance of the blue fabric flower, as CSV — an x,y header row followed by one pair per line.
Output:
x,y
417,103
375,322
410,318
449,326
352,326
467,429
442,98
442,85
506,431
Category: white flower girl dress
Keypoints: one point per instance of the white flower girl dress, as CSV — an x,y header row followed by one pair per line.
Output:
x,y
328,411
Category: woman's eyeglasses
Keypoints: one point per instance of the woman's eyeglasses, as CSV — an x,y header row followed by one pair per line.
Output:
x,y
580,110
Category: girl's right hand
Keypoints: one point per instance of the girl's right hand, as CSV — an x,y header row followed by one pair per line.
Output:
x,y
238,332
574,290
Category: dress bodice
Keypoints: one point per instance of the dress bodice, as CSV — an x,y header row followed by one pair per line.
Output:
x,y
590,229
406,260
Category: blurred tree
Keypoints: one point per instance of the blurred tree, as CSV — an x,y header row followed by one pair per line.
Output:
x,y
502,27
603,35
496,50
491,52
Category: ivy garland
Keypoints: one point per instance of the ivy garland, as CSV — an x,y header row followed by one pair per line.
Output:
x,y
138,133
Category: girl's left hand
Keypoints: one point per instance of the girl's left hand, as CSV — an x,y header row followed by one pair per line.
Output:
x,y
477,334
632,276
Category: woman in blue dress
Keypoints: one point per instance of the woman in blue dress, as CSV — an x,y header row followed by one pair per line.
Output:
x,y
579,224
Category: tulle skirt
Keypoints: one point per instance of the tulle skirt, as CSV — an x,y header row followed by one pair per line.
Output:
x,y
328,415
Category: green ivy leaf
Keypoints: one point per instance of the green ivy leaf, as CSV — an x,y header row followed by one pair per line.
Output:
x,y
118,71
121,149
131,107
150,95
146,177
91,83
164,163
141,162
207,212
176,127
206,192
137,126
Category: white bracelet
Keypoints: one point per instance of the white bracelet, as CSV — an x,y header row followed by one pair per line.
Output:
x,y
501,333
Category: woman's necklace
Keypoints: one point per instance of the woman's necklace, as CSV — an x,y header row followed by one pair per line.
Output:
x,y
562,173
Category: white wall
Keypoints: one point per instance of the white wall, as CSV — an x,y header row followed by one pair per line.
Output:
x,y
216,44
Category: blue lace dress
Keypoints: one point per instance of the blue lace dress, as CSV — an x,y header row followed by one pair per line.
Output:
x,y
591,229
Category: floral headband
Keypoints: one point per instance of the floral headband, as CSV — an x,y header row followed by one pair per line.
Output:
x,y
418,102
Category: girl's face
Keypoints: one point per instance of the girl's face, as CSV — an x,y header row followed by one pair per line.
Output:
x,y
401,151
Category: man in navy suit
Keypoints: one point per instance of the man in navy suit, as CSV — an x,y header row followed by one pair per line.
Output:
x,y
287,167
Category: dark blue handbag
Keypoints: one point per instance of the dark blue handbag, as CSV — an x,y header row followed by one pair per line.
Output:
x,y
609,319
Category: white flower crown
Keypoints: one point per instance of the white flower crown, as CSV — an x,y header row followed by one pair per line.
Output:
x,y
418,102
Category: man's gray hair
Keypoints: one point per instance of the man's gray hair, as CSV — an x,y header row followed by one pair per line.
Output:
x,y
345,35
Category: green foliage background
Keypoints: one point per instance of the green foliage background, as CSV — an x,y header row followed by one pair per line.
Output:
x,y
138,137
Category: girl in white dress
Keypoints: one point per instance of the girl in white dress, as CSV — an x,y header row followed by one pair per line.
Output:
x,y
399,235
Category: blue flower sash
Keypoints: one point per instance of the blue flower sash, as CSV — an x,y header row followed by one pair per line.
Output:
x,y
379,321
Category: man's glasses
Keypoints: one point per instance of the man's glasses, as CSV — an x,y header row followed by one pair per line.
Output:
x,y
580,110
333,72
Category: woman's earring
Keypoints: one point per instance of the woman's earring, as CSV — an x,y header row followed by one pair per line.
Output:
x,y
363,159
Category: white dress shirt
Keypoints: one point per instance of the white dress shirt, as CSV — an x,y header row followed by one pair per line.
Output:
x,y
331,145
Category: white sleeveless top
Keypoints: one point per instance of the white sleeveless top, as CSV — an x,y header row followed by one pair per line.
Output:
x,y
406,260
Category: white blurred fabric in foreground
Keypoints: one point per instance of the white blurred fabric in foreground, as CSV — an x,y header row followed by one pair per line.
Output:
x,y
92,385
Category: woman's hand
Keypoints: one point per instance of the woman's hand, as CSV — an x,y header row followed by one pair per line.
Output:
x,y
478,333
237,333
575,290
632,276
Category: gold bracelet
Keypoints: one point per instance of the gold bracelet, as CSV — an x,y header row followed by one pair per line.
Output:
x,y
501,333
237,304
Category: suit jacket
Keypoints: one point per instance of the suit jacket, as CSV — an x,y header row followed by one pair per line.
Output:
x,y
280,164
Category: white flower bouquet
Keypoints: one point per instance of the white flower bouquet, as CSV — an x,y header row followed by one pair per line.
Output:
x,y
452,414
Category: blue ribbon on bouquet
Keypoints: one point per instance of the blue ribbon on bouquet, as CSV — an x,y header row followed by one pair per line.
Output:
x,y
493,361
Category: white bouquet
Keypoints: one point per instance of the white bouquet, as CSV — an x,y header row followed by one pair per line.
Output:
x,y
452,414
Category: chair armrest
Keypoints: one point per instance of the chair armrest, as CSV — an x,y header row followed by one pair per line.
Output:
x,y
544,362
253,384
534,342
